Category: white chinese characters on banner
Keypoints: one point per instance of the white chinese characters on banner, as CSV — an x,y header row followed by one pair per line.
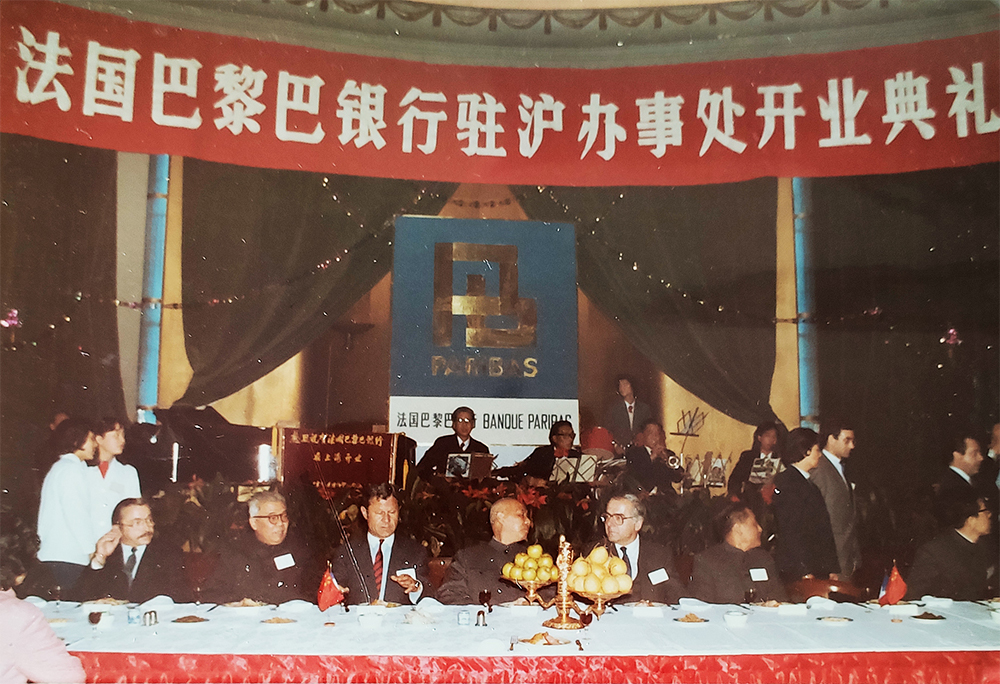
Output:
x,y
361,114
477,118
906,101
109,84
599,115
963,105
533,116
414,113
297,94
47,86
659,122
175,76
240,88
710,106
841,114
481,120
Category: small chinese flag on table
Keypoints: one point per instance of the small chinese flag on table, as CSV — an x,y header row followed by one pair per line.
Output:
x,y
893,588
329,592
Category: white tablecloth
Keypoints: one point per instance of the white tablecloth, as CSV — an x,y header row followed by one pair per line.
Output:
x,y
435,631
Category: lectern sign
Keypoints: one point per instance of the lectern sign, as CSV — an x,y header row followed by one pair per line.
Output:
x,y
484,315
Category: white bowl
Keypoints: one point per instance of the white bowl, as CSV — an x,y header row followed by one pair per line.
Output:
x,y
736,618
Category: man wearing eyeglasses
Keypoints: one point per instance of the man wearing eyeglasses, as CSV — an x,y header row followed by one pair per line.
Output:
x,y
960,563
537,468
650,565
266,567
434,462
129,564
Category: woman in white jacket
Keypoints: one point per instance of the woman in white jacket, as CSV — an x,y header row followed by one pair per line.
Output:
x,y
111,479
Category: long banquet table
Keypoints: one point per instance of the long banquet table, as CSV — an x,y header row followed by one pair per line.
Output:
x,y
628,644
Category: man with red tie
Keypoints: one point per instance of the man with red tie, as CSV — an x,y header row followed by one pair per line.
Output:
x,y
392,568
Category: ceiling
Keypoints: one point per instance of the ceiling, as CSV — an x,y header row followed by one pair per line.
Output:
x,y
581,33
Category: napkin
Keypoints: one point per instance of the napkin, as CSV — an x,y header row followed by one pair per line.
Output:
x,y
937,601
158,603
431,605
297,606
820,603
691,603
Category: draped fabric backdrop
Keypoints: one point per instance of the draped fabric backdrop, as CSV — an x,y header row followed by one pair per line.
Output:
x,y
58,239
689,274
294,249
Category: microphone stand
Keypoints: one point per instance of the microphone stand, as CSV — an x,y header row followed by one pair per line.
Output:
x,y
343,534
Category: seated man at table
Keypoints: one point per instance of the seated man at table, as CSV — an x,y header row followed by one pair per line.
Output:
x,y
393,568
132,564
737,569
435,461
267,566
650,565
477,569
959,563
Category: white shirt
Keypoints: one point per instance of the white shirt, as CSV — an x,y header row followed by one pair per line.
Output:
x,y
373,541
127,551
121,482
632,550
964,475
805,473
630,410
65,523
836,464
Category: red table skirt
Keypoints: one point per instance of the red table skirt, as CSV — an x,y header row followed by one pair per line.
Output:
x,y
956,667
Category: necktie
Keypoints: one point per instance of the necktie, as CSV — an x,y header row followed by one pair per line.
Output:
x,y
631,414
377,567
628,563
130,566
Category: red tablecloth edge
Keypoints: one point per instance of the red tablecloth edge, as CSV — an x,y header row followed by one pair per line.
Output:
x,y
918,667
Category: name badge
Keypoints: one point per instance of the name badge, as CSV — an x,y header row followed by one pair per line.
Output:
x,y
658,576
286,561
758,574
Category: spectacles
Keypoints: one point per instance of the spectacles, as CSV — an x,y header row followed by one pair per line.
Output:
x,y
274,518
566,434
616,518
137,522
465,420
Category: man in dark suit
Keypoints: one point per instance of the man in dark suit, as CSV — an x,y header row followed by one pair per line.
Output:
x,y
626,415
650,565
737,569
266,566
435,461
966,459
390,567
477,568
805,545
957,563
837,440
130,564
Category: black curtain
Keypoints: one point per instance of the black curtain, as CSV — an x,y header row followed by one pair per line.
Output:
x,y
57,268
688,273
901,261
272,258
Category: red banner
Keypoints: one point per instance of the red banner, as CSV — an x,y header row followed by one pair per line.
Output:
x,y
95,79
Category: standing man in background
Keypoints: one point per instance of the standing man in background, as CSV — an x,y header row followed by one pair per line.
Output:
x,y
626,415
837,440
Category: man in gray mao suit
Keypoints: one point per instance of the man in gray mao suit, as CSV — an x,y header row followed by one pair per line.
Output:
x,y
838,493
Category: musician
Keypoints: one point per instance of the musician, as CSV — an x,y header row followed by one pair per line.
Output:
x,y
393,568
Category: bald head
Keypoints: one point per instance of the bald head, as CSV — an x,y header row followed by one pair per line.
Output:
x,y
509,520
